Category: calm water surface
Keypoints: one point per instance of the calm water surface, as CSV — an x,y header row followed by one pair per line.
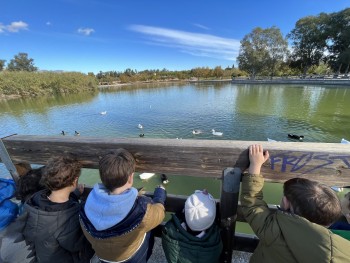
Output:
x,y
241,112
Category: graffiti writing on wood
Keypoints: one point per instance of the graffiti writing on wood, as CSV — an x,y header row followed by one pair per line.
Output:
x,y
294,163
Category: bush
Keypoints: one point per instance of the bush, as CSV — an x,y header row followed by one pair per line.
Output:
x,y
40,83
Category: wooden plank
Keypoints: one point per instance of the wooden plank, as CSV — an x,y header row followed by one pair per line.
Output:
x,y
325,162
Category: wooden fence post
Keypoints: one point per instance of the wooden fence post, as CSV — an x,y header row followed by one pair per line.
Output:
x,y
231,179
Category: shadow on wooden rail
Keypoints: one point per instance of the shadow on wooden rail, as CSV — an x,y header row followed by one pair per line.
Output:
x,y
328,163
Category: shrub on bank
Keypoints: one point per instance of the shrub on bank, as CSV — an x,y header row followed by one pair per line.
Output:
x,y
25,83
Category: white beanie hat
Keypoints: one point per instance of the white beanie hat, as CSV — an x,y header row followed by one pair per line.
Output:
x,y
200,210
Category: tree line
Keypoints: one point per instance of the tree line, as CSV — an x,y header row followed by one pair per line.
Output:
x,y
318,44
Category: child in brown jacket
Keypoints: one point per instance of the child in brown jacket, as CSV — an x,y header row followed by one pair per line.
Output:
x,y
116,219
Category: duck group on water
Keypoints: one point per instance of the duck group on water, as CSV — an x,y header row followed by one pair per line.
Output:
x,y
76,133
216,133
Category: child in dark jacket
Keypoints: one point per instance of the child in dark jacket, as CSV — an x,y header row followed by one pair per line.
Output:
x,y
298,232
192,236
116,219
52,225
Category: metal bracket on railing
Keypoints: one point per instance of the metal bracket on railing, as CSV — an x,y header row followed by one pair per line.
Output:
x,y
231,179
5,158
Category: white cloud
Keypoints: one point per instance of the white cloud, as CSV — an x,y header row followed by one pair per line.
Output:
x,y
14,27
201,26
48,23
86,31
192,43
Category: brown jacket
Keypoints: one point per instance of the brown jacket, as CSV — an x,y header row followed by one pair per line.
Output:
x,y
121,241
119,248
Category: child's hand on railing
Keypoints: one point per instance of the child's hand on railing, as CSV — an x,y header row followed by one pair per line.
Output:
x,y
257,157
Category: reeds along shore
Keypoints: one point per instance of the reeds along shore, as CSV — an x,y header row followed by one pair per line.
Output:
x,y
23,83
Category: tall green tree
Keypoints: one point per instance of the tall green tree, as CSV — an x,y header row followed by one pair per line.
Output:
x,y
262,50
309,41
2,64
277,47
21,62
338,39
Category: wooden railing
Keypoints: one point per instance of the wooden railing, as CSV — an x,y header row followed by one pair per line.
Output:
x,y
328,163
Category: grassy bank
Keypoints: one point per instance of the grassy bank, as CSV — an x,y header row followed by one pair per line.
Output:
x,y
22,83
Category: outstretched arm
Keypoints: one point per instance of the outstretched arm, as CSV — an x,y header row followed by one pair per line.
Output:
x,y
255,210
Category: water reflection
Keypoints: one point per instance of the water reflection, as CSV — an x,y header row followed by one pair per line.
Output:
x,y
241,112
21,106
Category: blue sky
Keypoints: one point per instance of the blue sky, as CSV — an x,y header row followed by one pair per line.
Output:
x,y
94,35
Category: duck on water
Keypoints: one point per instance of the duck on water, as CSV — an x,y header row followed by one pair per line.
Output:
x,y
216,133
196,132
296,137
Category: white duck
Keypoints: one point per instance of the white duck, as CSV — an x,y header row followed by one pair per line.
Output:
x,y
344,141
271,140
196,132
140,126
145,176
103,112
216,133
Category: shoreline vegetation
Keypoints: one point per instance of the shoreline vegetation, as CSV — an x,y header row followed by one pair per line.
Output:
x,y
32,84
16,84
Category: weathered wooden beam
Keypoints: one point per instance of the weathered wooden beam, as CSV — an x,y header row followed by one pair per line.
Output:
x,y
325,162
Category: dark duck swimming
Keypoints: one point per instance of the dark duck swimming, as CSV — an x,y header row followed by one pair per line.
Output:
x,y
296,137
164,178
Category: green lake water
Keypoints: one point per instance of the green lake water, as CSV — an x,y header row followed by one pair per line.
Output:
x,y
241,112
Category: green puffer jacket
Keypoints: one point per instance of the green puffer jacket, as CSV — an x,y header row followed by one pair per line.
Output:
x,y
182,247
285,237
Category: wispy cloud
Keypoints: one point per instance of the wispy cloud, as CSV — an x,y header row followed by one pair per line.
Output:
x,y
14,27
192,43
48,23
86,31
201,26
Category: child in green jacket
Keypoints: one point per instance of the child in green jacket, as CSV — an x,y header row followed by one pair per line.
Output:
x,y
342,225
192,236
298,232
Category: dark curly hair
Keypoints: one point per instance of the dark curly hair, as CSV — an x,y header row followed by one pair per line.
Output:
x,y
316,202
29,183
115,168
61,172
